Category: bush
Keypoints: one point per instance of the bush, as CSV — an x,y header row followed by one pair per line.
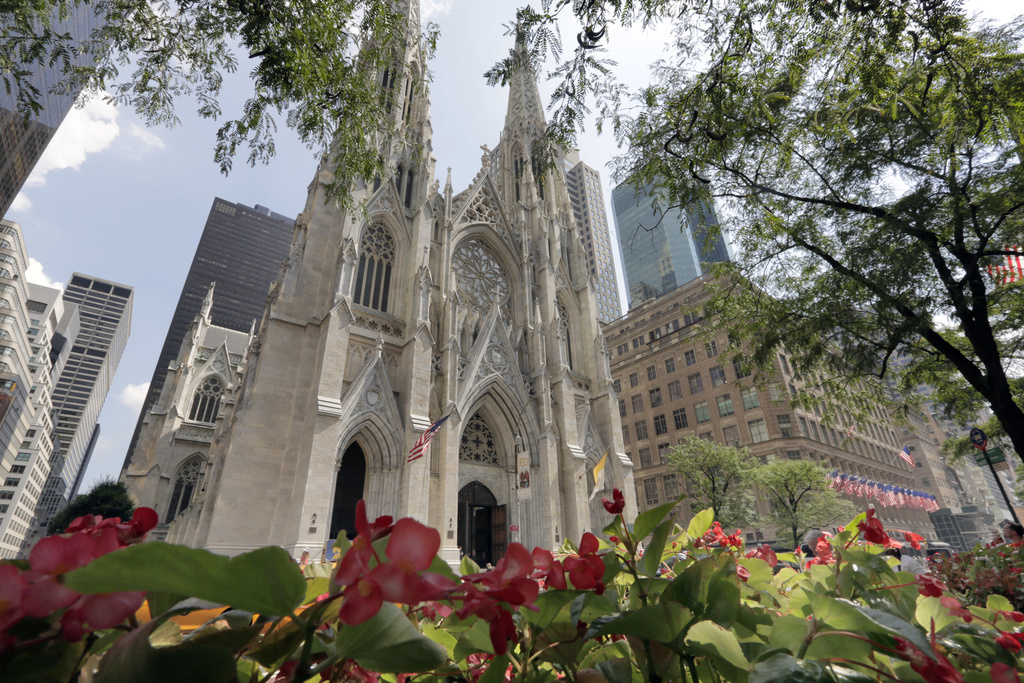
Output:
x,y
984,571
596,611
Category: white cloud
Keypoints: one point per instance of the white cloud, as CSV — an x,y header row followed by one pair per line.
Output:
x,y
146,137
21,203
35,275
86,130
133,396
433,8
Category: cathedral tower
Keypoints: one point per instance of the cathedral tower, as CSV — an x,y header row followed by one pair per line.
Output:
x,y
472,305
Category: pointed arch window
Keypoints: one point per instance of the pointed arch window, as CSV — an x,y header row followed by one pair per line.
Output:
x,y
185,484
376,260
563,333
477,443
206,400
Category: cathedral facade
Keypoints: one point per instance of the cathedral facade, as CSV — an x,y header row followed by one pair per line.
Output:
x,y
421,303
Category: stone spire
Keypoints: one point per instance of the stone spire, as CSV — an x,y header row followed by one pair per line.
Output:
x,y
524,118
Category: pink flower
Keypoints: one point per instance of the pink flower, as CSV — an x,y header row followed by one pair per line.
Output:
x,y
616,505
929,586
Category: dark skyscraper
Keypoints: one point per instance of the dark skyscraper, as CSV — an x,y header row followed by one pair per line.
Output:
x,y
241,249
663,247
21,142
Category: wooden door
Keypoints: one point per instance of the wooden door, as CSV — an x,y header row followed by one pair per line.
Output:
x,y
499,532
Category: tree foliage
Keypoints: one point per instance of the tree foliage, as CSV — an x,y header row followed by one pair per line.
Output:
x,y
312,65
869,158
799,496
717,477
107,498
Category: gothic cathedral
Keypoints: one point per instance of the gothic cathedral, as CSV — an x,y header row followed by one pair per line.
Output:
x,y
476,305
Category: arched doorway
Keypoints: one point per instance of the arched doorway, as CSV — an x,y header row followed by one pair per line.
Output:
x,y
482,524
348,490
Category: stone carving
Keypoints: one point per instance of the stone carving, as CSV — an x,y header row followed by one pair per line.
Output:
x,y
193,432
480,278
483,209
435,364
477,442
360,354
374,324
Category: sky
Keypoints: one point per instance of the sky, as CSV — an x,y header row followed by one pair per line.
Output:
x,y
115,199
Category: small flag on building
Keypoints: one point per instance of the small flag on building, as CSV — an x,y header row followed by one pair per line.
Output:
x,y
1013,271
907,457
599,475
421,444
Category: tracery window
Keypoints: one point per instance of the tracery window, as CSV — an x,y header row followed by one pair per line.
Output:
x,y
376,260
477,442
479,276
184,486
206,400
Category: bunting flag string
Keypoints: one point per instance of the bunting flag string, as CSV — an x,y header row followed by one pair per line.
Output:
x,y
887,495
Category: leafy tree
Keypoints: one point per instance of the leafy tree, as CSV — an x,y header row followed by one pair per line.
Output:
x,y
312,64
717,477
800,497
108,498
869,156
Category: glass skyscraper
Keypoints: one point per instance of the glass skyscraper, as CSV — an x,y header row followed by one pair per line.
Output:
x,y
241,250
663,247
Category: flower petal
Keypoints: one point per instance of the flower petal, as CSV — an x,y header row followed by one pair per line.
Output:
x,y
414,543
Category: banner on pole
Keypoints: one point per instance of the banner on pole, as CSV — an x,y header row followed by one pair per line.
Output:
x,y
523,473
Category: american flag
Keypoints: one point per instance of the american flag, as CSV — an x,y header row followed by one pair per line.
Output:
x,y
1013,271
421,443
907,457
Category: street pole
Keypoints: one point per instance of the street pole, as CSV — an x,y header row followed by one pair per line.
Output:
x,y
999,483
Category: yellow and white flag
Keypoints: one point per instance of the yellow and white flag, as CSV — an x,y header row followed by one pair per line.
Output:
x,y
599,475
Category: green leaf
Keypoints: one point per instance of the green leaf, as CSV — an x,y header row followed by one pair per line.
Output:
x,y
844,615
700,523
999,603
476,638
929,609
656,548
468,566
315,588
549,605
132,658
662,623
647,521
265,581
721,646
789,632
495,670
389,643
782,668
440,636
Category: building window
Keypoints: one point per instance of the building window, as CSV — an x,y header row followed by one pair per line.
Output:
x,y
750,400
638,403
671,486
758,430
702,412
663,449
731,436
655,395
717,376
645,457
206,400
670,365
651,491
785,426
725,406
784,362
618,386
690,357
17,469
803,427
634,379
814,431
793,455
712,349
641,430
11,482
638,342
675,391
696,383
652,373
740,367
184,486
625,434
660,427
679,416
376,259
776,392
622,407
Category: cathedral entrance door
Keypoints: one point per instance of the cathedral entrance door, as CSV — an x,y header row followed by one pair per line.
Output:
x,y
348,490
482,524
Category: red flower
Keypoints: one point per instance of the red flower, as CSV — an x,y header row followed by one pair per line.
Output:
x,y
12,584
955,608
873,530
742,572
616,505
913,539
548,568
938,670
929,586
587,570
765,553
1001,673
1007,641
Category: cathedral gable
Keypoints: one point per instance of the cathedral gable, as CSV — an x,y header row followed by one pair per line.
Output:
x,y
386,202
371,392
480,205
492,357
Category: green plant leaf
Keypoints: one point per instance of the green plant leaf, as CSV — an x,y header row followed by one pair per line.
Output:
x,y
656,548
549,604
495,670
468,566
265,581
783,668
844,615
477,638
999,603
721,645
788,632
931,608
389,643
647,521
662,623
700,523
